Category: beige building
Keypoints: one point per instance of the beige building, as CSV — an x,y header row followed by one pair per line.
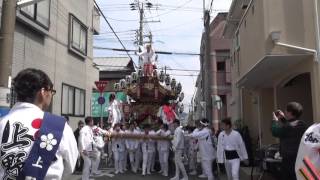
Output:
x,y
215,74
56,36
274,61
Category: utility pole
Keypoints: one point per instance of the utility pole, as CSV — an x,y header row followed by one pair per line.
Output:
x,y
141,24
8,20
140,6
207,76
150,37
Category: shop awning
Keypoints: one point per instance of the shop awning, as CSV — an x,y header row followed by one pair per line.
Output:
x,y
262,74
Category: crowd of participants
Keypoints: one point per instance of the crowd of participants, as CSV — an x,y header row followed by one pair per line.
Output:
x,y
159,148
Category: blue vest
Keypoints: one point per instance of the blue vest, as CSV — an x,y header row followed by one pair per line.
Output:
x,y
44,149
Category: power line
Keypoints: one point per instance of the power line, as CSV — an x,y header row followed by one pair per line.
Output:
x,y
157,52
190,75
191,70
166,69
123,20
171,10
175,26
113,30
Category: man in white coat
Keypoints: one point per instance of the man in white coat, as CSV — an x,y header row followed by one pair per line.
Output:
x,y
152,151
231,150
98,135
86,147
20,127
163,149
148,148
206,149
118,147
114,110
178,148
132,146
138,157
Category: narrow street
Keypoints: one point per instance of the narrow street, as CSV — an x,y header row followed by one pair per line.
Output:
x,y
109,174
224,89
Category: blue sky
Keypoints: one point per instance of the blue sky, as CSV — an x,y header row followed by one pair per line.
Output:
x,y
179,30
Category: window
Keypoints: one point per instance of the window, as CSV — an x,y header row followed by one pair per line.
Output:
x,y
221,66
73,101
39,12
77,36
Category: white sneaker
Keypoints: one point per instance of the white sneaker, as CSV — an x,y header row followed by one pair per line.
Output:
x,y
117,172
193,172
185,178
174,178
97,174
165,174
202,176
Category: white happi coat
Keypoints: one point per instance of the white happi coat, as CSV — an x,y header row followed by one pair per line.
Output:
x,y
178,139
308,148
19,135
114,112
118,144
163,145
147,57
193,143
233,141
132,144
206,149
86,140
98,134
149,145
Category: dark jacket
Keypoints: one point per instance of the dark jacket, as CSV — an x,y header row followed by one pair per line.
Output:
x,y
290,133
77,134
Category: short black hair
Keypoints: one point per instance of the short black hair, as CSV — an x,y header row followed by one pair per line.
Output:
x,y
88,119
204,120
166,100
117,125
295,109
176,121
28,82
146,126
227,121
112,97
67,118
165,126
80,122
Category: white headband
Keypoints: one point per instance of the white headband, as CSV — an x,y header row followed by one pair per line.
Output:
x,y
205,124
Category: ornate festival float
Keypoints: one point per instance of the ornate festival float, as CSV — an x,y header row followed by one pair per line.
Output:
x,y
153,96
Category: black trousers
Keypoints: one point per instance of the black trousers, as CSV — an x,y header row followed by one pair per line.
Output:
x,y
288,168
79,166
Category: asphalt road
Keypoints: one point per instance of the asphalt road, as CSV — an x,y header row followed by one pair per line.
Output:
x,y
109,174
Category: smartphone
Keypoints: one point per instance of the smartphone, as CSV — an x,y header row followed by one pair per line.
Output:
x,y
277,113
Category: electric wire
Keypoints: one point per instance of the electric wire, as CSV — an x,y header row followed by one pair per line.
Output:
x,y
113,31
